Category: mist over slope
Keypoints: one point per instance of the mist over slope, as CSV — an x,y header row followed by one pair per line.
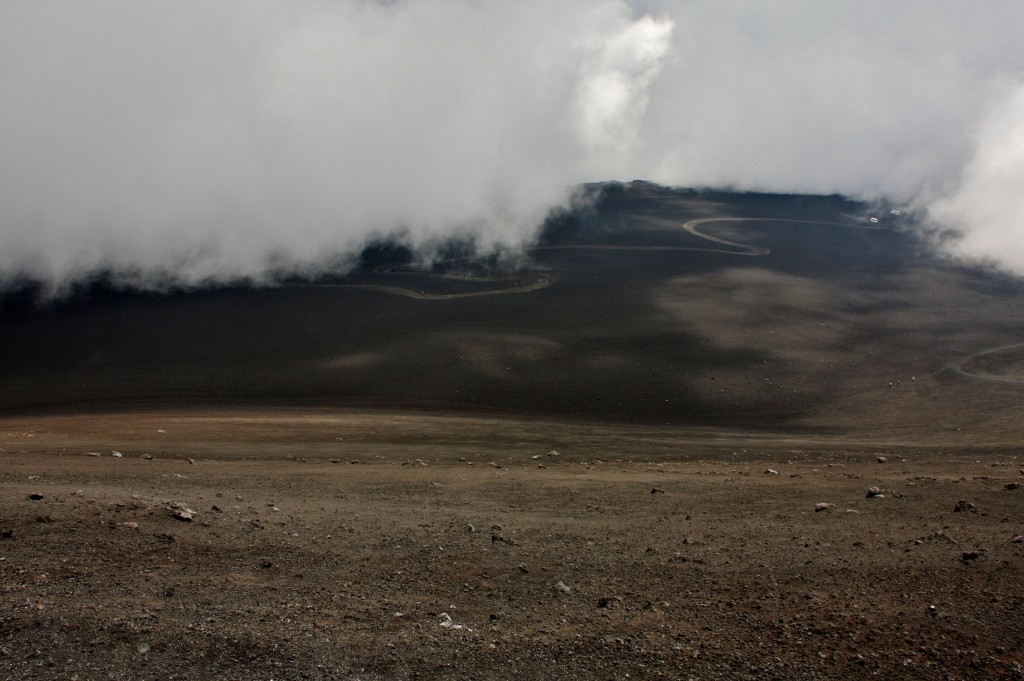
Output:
x,y
188,143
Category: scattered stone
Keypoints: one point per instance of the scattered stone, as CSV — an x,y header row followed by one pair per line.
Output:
x,y
266,565
554,453
522,568
130,526
335,460
971,555
1012,485
470,528
562,588
180,511
1019,539
881,459
91,454
6,534
823,506
875,493
45,518
495,538
192,461
36,496
964,506
116,454
143,648
609,602
447,623
657,490
535,456
771,471
216,509
147,457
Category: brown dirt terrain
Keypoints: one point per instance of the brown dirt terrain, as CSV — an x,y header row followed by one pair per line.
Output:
x,y
374,490
360,545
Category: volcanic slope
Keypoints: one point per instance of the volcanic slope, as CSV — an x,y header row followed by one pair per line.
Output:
x,y
731,436
769,312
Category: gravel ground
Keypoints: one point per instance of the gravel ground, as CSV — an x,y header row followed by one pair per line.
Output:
x,y
394,547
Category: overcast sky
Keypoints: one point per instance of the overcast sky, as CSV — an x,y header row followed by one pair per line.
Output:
x,y
194,141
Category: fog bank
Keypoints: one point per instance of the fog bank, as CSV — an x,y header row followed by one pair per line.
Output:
x,y
186,143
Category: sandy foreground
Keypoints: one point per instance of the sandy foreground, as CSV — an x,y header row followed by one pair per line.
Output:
x,y
319,544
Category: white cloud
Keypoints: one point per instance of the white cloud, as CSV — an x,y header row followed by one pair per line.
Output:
x,y
194,141
612,93
201,142
987,206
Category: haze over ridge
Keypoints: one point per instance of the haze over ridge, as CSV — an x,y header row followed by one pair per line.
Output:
x,y
189,143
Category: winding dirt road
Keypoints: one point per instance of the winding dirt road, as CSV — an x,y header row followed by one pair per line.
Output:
x,y
535,281
959,366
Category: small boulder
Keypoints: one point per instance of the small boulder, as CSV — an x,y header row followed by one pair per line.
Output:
x,y
562,588
500,538
964,506
823,506
180,511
